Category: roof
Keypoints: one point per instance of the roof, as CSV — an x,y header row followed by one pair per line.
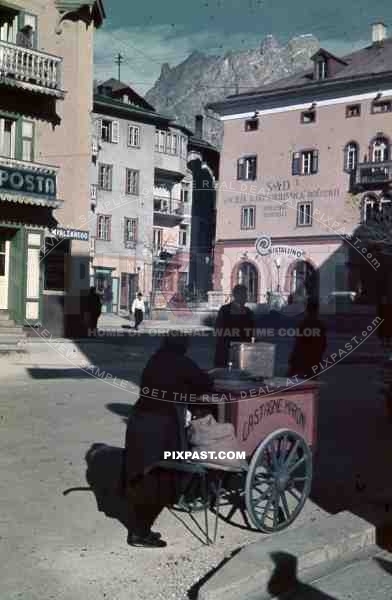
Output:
x,y
119,108
197,142
119,89
369,62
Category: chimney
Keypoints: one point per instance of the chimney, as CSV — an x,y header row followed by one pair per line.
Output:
x,y
199,126
379,33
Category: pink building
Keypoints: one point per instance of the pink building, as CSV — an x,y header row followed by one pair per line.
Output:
x,y
305,162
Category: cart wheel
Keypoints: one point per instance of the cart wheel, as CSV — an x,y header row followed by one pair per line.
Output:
x,y
278,481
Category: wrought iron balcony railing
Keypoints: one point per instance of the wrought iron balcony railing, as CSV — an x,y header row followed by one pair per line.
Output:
x,y
168,206
23,66
372,175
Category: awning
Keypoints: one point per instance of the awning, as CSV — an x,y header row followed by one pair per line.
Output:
x,y
32,200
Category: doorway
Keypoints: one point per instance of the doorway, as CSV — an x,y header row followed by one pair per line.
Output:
x,y
4,273
248,276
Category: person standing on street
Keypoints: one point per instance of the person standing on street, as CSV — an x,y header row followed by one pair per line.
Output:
x,y
235,323
94,307
138,309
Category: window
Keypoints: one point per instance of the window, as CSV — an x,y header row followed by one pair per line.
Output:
x,y
104,227
354,110
304,214
132,182
305,162
8,24
321,69
185,193
130,230
168,148
105,176
183,146
351,157
247,168
162,140
308,116
380,150
182,235
376,210
109,131
7,138
381,106
133,136
248,214
157,135
27,141
157,240
175,143
252,124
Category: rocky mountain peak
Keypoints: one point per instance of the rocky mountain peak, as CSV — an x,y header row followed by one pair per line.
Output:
x,y
184,90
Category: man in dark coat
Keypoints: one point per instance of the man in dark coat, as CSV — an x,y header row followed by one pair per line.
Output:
x,y
157,425
235,323
94,308
309,345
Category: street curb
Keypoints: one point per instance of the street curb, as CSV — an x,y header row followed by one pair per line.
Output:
x,y
313,545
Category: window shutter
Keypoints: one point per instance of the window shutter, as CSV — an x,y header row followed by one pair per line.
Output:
x,y
314,168
296,164
115,132
99,128
240,168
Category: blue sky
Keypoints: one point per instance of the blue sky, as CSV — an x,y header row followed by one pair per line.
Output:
x,y
151,32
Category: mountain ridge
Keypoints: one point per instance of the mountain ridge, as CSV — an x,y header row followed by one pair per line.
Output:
x,y
183,90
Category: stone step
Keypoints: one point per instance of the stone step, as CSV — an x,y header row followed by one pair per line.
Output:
x,y
11,348
4,315
12,329
8,323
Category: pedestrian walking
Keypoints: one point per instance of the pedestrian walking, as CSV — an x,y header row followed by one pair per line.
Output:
x,y
138,309
157,424
235,323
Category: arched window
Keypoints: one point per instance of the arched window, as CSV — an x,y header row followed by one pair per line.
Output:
x,y
248,276
304,281
351,153
379,149
371,208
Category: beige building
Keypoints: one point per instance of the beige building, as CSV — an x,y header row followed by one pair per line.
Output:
x,y
46,62
141,200
305,162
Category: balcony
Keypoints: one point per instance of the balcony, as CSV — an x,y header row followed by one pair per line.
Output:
x,y
371,176
168,212
30,69
28,183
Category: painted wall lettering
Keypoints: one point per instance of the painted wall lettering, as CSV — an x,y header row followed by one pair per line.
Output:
x,y
267,409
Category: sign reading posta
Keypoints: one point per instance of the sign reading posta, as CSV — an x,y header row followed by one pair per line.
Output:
x,y
70,234
18,180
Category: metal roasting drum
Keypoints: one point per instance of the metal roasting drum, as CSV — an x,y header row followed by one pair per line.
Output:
x,y
256,358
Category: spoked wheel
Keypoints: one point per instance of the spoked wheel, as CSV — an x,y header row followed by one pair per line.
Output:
x,y
278,481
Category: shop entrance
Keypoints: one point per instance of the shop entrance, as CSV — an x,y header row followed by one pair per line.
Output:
x,y
4,273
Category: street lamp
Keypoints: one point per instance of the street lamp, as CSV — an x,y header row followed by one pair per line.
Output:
x,y
277,264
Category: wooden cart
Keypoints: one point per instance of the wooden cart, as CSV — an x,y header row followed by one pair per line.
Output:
x,y
276,425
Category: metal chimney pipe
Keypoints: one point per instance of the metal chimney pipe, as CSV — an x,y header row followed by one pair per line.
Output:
x,y
199,126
